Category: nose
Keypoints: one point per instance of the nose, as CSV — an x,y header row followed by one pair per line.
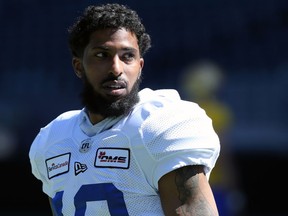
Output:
x,y
117,67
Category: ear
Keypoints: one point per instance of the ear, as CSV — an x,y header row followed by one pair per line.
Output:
x,y
77,65
141,67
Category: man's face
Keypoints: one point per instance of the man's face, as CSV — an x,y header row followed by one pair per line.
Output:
x,y
110,69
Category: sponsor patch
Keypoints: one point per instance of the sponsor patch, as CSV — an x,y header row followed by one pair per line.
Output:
x,y
112,158
58,165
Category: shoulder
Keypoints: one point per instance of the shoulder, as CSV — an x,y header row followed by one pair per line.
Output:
x,y
166,103
173,131
69,115
158,97
57,129
63,121
162,111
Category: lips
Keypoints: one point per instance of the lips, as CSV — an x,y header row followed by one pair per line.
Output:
x,y
115,84
114,88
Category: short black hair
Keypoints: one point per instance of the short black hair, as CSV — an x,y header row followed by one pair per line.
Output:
x,y
105,16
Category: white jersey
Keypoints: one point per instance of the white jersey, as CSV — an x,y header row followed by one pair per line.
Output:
x,y
113,168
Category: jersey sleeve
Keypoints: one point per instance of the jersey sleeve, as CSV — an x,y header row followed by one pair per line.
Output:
x,y
177,135
55,130
37,160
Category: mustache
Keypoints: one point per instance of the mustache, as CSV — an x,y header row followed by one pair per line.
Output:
x,y
111,77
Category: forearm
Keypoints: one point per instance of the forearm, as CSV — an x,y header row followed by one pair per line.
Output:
x,y
197,208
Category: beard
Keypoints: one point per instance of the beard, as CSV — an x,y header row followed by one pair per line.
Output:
x,y
112,107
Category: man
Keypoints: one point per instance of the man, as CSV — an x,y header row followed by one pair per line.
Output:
x,y
127,152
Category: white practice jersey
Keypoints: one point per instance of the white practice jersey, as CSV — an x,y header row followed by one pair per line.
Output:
x,y
113,168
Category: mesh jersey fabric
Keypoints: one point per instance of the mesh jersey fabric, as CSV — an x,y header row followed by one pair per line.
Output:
x,y
119,173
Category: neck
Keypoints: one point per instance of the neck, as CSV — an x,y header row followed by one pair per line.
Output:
x,y
95,118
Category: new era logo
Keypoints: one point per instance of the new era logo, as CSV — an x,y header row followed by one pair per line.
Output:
x,y
78,168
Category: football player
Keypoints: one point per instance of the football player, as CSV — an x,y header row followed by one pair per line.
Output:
x,y
128,151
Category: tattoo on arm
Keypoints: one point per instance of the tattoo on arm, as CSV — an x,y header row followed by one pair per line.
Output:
x,y
191,197
182,175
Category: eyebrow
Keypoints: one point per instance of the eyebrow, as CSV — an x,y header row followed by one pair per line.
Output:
x,y
105,48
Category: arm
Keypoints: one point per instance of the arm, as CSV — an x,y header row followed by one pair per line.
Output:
x,y
51,205
186,192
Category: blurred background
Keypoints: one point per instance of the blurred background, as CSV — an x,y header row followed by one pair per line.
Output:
x,y
230,56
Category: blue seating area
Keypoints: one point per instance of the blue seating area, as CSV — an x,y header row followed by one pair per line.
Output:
x,y
247,38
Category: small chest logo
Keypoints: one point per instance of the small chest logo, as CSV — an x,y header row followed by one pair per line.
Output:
x,y
85,145
113,158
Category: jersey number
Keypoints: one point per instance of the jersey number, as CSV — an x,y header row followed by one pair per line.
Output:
x,y
93,192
